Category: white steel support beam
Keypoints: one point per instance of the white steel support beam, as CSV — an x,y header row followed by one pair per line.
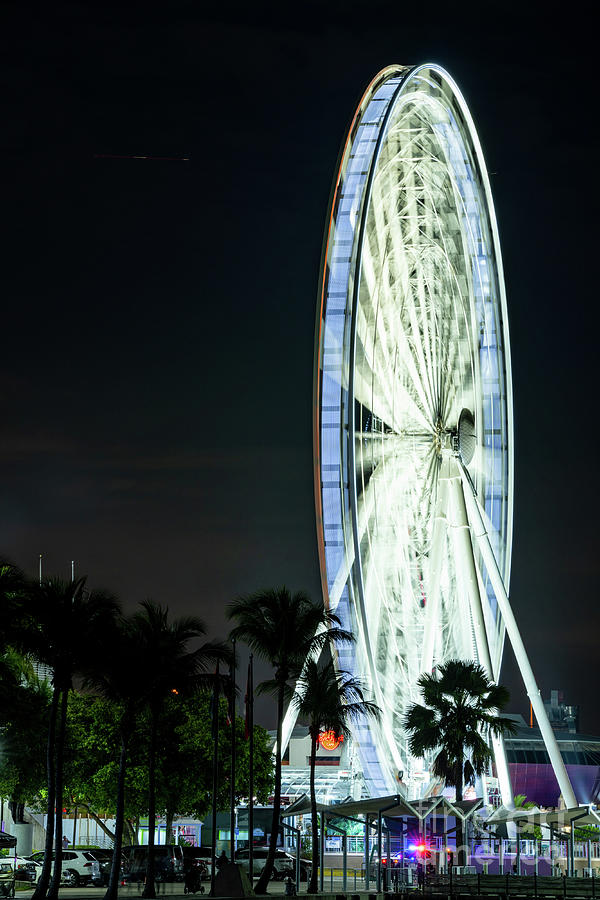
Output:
x,y
459,527
432,611
481,536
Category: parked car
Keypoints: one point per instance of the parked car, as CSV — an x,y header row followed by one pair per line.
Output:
x,y
76,865
7,878
25,869
285,863
103,864
168,862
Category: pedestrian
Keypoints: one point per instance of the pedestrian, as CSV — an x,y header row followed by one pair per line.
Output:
x,y
222,861
65,842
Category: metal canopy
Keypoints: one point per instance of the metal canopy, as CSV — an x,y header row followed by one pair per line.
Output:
x,y
559,818
393,805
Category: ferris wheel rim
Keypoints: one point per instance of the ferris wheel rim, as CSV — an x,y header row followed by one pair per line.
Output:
x,y
405,76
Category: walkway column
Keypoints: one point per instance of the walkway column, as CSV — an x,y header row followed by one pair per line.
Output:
x,y
388,882
322,851
572,851
367,853
379,853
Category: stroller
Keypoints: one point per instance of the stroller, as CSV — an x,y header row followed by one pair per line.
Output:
x,y
192,882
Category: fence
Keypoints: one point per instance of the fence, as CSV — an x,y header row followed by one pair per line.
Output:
x,y
534,886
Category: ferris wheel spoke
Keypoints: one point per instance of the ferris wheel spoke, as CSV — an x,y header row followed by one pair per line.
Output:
x,y
377,332
397,261
375,389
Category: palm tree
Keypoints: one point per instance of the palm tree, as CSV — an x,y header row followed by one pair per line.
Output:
x,y
171,667
120,677
64,620
13,587
461,705
329,701
285,629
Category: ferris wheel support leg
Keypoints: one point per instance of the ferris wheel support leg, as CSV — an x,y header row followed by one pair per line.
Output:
x,y
461,534
481,536
432,584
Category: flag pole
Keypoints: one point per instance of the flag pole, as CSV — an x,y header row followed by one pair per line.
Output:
x,y
215,733
232,773
250,690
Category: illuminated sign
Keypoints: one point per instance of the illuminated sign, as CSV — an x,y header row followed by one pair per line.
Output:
x,y
329,740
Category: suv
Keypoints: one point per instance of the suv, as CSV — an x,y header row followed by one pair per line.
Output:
x,y
285,863
76,864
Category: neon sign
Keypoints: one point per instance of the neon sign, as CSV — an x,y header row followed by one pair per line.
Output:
x,y
329,740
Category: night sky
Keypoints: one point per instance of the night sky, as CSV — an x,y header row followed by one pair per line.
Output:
x,y
158,315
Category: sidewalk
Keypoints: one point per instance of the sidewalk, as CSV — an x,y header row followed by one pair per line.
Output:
x,y
175,892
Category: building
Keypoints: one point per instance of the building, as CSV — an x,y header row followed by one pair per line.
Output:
x,y
531,772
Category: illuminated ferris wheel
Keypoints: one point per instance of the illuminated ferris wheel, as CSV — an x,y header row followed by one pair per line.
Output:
x,y
413,410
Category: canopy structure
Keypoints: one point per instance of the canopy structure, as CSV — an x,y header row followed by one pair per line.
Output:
x,y
393,806
7,840
556,818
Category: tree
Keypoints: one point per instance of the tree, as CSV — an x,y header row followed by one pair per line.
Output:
x,y
13,587
171,667
24,711
184,757
285,629
62,620
186,752
120,677
460,706
329,701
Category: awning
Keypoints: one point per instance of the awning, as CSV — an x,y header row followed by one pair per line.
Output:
x,y
7,840
393,806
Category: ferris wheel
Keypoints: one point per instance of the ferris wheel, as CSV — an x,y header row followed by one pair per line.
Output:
x,y
413,411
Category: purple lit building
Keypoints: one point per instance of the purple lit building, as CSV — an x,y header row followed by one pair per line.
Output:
x,y
530,770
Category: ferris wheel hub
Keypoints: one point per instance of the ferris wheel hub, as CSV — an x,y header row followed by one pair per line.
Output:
x,y
467,436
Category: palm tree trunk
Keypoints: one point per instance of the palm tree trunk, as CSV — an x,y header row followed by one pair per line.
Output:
x,y
169,836
44,879
60,747
115,869
150,886
263,881
313,886
132,827
460,838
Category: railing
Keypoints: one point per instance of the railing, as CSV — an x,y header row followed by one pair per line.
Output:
x,y
560,849
560,887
